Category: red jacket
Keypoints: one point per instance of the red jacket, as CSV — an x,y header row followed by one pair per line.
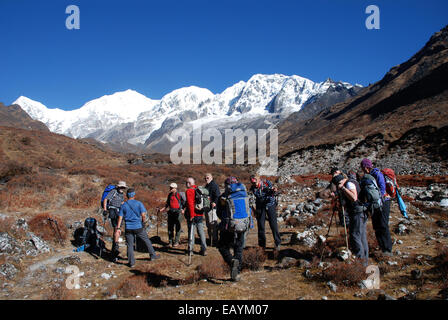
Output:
x,y
190,193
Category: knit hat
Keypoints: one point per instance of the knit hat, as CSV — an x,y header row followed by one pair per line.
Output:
x,y
366,163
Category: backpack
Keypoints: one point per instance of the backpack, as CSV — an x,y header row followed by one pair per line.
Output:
x,y
237,208
391,182
106,191
176,201
87,236
371,192
202,201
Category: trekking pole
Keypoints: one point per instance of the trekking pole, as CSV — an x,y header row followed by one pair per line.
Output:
x,y
345,226
190,245
58,233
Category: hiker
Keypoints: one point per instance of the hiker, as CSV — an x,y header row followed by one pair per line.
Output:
x,y
336,194
349,189
175,205
111,205
233,211
380,215
211,219
266,205
133,212
194,217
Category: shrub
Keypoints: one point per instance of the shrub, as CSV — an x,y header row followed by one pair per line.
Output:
x,y
59,292
212,268
47,229
133,286
346,274
253,258
442,261
11,169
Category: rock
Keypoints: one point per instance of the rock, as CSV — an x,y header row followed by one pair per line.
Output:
x,y
279,219
8,270
21,224
309,207
307,274
106,276
287,262
9,245
325,265
444,203
343,254
401,229
307,238
416,274
302,263
409,296
392,263
112,297
332,286
40,245
201,291
324,298
71,260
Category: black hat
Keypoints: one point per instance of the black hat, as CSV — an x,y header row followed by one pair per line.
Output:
x,y
337,179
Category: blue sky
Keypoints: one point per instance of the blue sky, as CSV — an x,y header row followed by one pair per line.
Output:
x,y
155,47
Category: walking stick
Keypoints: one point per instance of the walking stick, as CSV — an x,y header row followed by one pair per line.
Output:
x,y
102,234
190,245
345,227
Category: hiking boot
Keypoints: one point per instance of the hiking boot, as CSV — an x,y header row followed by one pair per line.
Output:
x,y
203,253
388,254
154,257
277,248
234,270
176,244
130,265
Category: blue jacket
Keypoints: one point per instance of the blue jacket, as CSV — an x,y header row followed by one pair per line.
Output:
x,y
379,177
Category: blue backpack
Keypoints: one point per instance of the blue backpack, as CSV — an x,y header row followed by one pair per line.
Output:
x,y
238,210
108,189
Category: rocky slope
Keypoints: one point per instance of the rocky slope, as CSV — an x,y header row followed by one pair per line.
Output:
x,y
14,116
399,122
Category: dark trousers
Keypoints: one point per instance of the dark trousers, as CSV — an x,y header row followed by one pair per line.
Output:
x,y
174,224
358,236
380,223
271,214
231,240
130,237
113,216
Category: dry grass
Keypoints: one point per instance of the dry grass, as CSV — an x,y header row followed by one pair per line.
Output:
x,y
253,258
345,274
133,286
442,262
47,230
59,292
212,268
87,196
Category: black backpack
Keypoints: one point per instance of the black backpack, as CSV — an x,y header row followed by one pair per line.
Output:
x,y
371,192
88,235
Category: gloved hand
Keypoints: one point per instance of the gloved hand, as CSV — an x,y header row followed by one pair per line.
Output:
x,y
105,213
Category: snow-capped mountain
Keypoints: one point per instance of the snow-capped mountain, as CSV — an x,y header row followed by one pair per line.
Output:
x,y
130,117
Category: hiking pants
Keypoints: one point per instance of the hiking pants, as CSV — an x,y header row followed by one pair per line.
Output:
x,y
270,213
197,223
174,224
131,234
211,220
358,236
380,223
113,216
231,240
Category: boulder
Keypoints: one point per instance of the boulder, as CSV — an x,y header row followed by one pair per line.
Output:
x,y
9,245
70,260
40,245
401,229
8,270
307,238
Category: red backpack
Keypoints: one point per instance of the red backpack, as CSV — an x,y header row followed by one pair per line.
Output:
x,y
391,182
175,201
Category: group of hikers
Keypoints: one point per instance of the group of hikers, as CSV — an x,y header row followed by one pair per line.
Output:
x,y
229,215
368,192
